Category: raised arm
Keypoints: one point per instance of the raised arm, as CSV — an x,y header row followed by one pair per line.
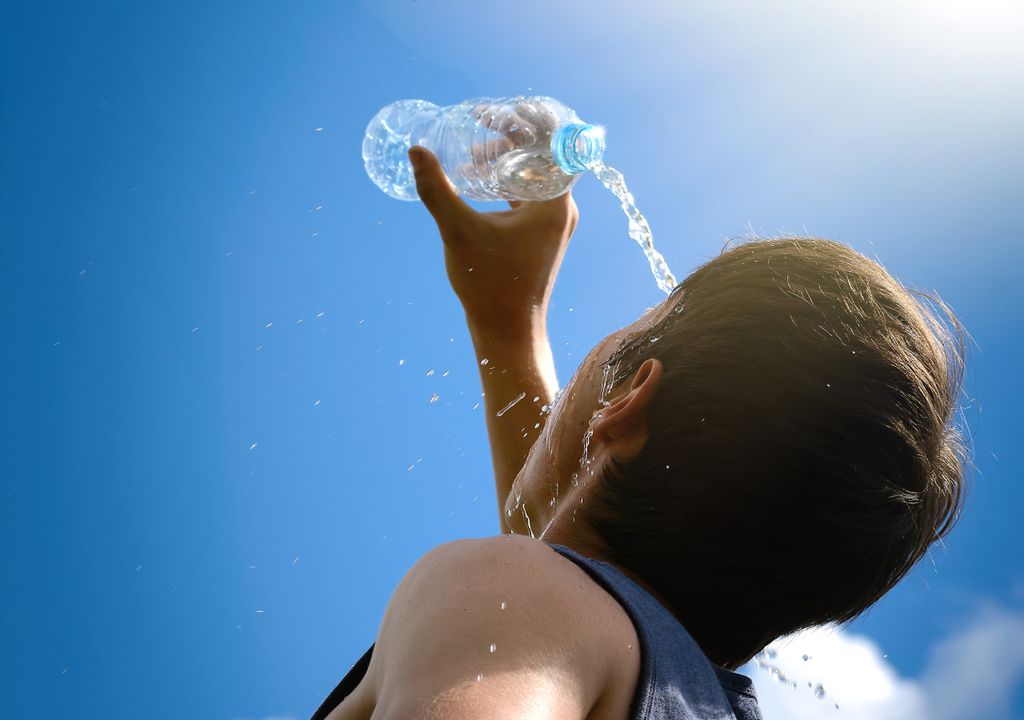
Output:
x,y
502,266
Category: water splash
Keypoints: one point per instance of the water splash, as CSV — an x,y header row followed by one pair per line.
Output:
x,y
639,229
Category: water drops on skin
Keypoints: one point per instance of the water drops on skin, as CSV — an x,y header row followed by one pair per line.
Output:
x,y
512,404
485,362
479,677
526,517
504,604
494,647
585,460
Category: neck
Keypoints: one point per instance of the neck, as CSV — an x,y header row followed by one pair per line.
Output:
x,y
571,528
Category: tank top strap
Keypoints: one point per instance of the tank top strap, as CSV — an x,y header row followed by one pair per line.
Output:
x,y
677,680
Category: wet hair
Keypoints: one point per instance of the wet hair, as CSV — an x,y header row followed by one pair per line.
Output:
x,y
804,451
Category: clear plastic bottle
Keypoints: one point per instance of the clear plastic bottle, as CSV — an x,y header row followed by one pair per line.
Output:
x,y
521,148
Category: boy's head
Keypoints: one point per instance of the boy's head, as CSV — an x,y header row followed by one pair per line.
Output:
x,y
799,454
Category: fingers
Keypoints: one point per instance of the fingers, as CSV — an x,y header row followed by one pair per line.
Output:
x,y
436,191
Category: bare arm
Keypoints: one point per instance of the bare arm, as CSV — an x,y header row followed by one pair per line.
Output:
x,y
517,373
502,266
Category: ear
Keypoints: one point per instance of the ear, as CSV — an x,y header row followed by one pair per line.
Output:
x,y
622,425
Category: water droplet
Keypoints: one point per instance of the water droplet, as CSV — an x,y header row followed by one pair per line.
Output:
x,y
479,677
410,467
828,385
493,647
806,657
476,405
485,361
430,372
504,605
316,403
512,404
434,398
819,691
401,361
253,446
444,374
772,653
269,324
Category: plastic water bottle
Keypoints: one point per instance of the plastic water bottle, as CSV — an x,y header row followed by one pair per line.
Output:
x,y
521,148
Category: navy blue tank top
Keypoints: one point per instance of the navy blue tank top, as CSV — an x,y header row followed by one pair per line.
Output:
x,y
677,681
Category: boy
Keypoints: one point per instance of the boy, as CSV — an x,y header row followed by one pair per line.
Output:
x,y
770,448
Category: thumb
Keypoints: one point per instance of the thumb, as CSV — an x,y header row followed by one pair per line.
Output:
x,y
434,188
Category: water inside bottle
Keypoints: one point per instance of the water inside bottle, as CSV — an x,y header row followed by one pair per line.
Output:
x,y
530,174
639,229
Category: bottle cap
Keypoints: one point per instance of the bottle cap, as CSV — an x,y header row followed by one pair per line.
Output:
x,y
576,147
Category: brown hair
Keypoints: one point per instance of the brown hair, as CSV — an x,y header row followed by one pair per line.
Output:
x,y
803,453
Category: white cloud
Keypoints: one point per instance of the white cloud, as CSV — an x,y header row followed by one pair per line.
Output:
x,y
970,674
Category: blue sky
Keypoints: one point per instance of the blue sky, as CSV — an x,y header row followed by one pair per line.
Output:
x,y
205,493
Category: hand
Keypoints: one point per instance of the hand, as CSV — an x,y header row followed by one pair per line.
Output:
x,y
502,265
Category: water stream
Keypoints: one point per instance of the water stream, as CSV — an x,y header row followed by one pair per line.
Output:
x,y
639,229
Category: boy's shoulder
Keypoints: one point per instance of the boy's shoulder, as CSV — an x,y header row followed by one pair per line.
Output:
x,y
512,610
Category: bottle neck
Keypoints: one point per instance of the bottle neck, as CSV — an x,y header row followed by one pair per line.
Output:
x,y
577,147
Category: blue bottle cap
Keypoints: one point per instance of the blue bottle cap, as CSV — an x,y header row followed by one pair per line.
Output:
x,y
577,146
